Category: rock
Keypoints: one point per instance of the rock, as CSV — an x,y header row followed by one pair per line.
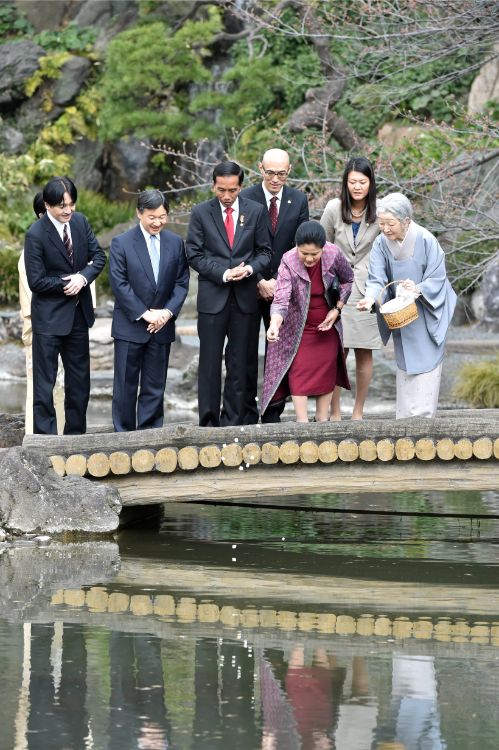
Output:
x,y
101,345
106,236
3,332
477,304
11,430
490,296
11,140
392,135
18,62
125,14
127,168
485,87
74,73
44,14
13,324
33,498
87,158
462,313
3,535
94,13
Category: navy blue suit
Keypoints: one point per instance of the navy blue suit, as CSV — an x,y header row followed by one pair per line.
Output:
x,y
61,322
225,310
293,211
138,354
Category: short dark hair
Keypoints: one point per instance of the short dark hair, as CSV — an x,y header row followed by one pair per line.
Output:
x,y
310,233
364,166
228,169
39,205
53,192
152,199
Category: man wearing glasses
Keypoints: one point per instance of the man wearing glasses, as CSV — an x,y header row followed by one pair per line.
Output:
x,y
287,208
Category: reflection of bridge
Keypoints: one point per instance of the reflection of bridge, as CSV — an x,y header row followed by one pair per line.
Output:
x,y
456,450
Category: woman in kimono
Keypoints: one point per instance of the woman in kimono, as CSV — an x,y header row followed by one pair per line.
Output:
x,y
350,222
305,355
408,253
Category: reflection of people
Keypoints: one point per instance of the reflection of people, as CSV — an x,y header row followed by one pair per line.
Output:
x,y
228,245
350,222
27,335
287,208
408,253
305,355
62,257
149,277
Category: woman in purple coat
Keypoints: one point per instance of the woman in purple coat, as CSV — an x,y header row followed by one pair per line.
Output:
x,y
305,354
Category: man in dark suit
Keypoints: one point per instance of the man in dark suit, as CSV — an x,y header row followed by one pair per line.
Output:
x,y
286,209
228,245
62,258
149,276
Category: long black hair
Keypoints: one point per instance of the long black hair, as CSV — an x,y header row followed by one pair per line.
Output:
x,y
364,166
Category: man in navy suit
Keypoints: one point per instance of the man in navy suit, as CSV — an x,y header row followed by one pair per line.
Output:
x,y
228,245
62,258
286,209
149,277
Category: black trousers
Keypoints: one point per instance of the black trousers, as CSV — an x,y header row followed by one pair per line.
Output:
x,y
234,326
146,364
273,413
74,351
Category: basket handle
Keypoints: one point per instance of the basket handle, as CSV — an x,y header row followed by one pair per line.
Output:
x,y
386,287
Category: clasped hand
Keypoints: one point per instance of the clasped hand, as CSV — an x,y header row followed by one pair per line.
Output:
x,y
156,319
76,282
266,289
238,272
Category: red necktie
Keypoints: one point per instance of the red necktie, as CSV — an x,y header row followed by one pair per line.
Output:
x,y
229,225
67,243
273,213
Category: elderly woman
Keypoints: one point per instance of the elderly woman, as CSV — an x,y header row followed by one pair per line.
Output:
x,y
305,355
408,253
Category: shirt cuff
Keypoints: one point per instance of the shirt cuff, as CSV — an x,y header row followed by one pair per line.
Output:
x,y
224,277
84,279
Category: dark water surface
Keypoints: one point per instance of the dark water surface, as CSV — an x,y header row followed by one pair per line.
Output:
x,y
217,627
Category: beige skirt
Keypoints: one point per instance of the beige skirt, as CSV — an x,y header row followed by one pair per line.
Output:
x,y
360,328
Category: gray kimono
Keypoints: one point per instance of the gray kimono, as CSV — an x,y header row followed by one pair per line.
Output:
x,y
419,346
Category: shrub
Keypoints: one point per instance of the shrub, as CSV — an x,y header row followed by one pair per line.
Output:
x,y
9,276
478,383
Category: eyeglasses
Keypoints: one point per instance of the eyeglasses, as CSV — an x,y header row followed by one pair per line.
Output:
x,y
281,175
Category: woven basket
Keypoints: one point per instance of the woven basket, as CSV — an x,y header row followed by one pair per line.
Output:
x,y
399,318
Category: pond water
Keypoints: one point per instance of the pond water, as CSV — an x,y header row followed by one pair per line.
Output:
x,y
214,627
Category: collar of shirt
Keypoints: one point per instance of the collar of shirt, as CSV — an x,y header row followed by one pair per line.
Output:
x,y
59,225
147,237
235,215
268,196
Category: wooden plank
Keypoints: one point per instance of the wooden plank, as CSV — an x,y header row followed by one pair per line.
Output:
x,y
262,481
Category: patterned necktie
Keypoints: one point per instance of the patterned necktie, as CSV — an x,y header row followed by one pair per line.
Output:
x,y
273,213
67,243
229,225
154,255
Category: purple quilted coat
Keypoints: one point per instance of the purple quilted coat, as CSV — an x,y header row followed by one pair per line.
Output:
x,y
291,300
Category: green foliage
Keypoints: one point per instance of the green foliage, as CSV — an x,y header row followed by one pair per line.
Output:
x,y
101,212
72,38
478,383
149,70
49,67
12,22
9,276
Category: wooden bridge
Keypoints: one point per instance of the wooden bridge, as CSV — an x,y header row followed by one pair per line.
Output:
x,y
271,463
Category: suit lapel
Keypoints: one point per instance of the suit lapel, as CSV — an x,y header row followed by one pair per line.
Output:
x,y
244,214
54,238
349,234
216,213
140,247
284,208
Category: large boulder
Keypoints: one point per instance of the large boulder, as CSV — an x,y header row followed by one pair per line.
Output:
x,y
11,140
74,73
44,14
11,430
490,292
87,159
127,168
485,87
33,498
18,62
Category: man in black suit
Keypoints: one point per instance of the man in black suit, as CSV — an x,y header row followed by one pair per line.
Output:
x,y
286,209
228,245
149,276
62,258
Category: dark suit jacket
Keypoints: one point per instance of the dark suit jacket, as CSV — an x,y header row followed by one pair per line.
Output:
x,y
209,253
135,290
52,312
293,211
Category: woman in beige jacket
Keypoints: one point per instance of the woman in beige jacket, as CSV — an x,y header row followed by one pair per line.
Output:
x,y
350,222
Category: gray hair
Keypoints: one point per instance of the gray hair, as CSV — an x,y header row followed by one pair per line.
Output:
x,y
397,205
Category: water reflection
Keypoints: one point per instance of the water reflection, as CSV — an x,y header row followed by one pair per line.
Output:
x,y
161,641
